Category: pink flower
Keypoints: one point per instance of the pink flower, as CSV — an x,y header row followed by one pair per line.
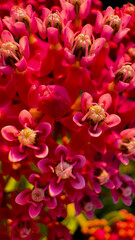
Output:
x,y
21,21
95,115
80,47
36,197
126,145
13,54
64,170
87,201
76,8
27,138
111,25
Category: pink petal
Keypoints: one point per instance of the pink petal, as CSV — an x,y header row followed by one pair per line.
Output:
x,y
69,56
52,34
97,45
80,161
16,156
107,32
86,61
99,22
78,182
23,197
68,37
45,128
41,28
6,36
35,209
55,188
84,9
127,200
21,64
105,101
51,203
33,178
86,101
61,150
128,133
120,35
25,118
77,119
95,133
42,152
24,44
20,29
112,120
43,165
87,30
123,158
125,20
9,133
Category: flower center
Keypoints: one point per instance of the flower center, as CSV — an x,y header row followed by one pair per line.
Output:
x,y
126,191
10,52
27,136
21,16
24,230
81,46
96,114
63,170
54,20
124,74
131,52
101,175
114,22
37,194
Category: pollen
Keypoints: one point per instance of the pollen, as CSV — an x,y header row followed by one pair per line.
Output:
x,y
37,194
114,22
96,114
27,136
63,170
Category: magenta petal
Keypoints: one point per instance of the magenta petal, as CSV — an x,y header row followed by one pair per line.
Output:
x,y
84,9
52,34
45,128
86,61
55,188
86,101
21,64
35,209
24,43
61,150
87,30
51,203
97,45
78,182
123,158
99,22
23,197
25,118
112,120
120,35
42,152
107,32
21,29
69,56
16,156
9,133
6,36
127,200
33,178
128,133
80,161
6,69
95,133
77,118
125,20
41,28
43,165
68,37
115,196
105,101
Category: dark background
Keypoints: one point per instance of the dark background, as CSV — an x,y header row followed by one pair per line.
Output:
x,y
115,3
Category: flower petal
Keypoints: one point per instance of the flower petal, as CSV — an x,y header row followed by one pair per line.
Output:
x,y
105,101
35,209
6,36
23,197
9,133
61,150
21,64
78,182
45,128
55,188
77,119
80,161
16,156
42,152
112,120
24,44
84,9
95,133
25,118
86,101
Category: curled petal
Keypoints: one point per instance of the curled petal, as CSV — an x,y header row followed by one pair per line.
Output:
x,y
9,133
25,118
35,209
20,28
87,30
69,56
51,203
42,152
23,197
122,158
21,64
107,32
6,36
97,45
52,34
86,101
33,178
68,37
77,118
112,120
41,28
105,101
86,61
127,200
45,128
95,132
24,44
61,150
78,182
84,9
128,133
80,161
16,156
120,35
43,164
55,188
99,22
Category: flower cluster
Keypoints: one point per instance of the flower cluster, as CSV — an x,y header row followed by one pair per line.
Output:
x,y
67,85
